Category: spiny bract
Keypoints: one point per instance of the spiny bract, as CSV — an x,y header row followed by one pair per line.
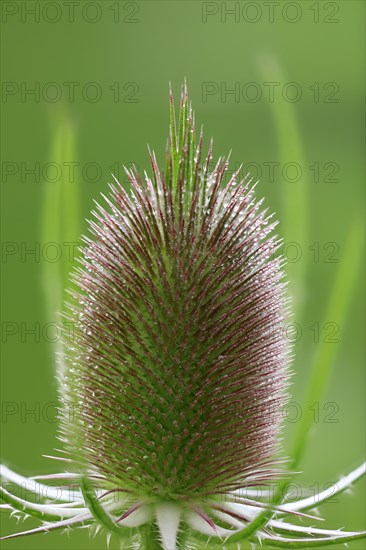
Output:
x,y
178,372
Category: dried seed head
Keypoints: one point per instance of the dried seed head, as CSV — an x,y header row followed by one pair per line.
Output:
x,y
178,372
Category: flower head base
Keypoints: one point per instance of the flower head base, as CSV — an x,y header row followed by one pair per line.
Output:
x,y
177,375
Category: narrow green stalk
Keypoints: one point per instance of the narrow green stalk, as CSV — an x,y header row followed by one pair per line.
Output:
x,y
60,223
294,229
50,231
294,195
150,537
70,207
338,305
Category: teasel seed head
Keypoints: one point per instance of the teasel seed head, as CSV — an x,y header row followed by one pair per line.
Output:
x,y
178,373
174,382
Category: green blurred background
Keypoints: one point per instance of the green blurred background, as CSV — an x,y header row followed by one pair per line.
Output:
x,y
120,57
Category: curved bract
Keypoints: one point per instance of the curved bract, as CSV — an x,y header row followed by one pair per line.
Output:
x,y
178,370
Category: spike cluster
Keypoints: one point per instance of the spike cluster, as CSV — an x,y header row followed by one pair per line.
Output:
x,y
178,372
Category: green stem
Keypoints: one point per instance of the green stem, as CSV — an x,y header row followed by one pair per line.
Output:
x,y
150,537
60,222
295,199
338,305
151,540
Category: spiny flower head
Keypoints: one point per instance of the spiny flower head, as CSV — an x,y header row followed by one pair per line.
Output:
x,y
178,372
175,381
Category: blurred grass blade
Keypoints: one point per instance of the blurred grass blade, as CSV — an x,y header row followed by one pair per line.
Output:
x,y
70,207
338,305
295,217
60,222
294,196
51,232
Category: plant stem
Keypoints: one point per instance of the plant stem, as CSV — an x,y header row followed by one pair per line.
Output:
x,y
150,537
295,196
339,302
